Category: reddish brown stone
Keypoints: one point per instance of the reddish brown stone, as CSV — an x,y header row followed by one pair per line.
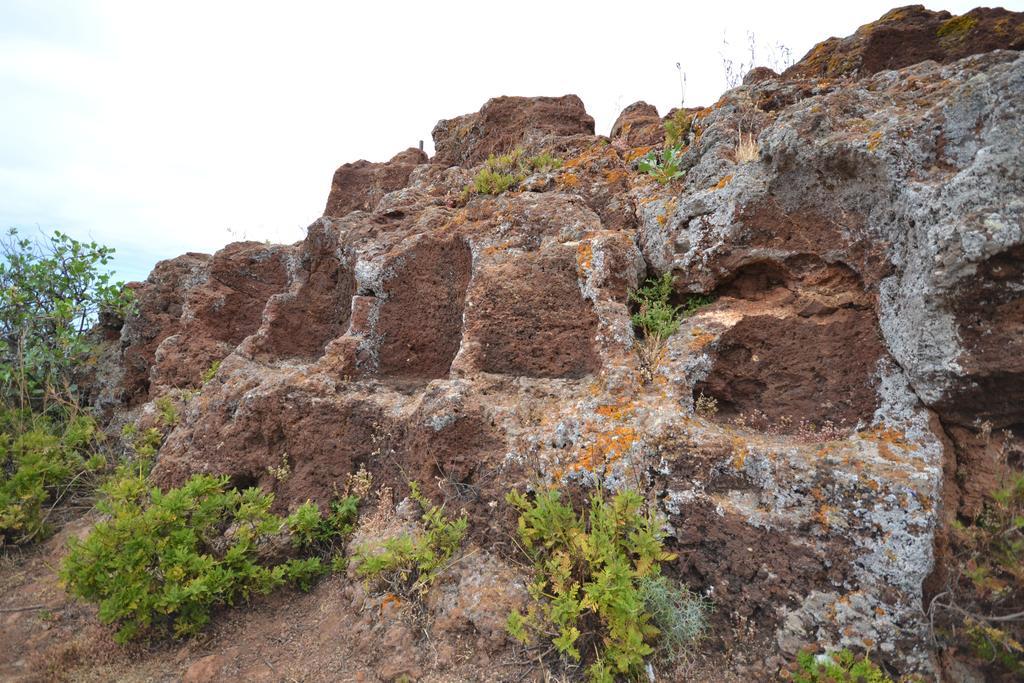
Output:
x,y
358,186
638,125
792,369
159,302
529,318
912,34
504,123
421,318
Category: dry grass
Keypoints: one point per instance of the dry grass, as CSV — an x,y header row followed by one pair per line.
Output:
x,y
747,148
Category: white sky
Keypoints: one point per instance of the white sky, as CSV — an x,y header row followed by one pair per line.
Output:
x,y
160,128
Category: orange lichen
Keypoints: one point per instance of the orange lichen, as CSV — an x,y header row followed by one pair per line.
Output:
x,y
613,176
700,338
494,249
824,515
637,152
584,256
608,447
874,139
569,180
723,182
739,452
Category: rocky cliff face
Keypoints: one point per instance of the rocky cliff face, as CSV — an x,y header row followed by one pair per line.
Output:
x,y
867,268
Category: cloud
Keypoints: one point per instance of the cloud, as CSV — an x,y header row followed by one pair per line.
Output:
x,y
160,129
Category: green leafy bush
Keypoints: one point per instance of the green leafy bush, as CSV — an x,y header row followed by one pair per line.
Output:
x,y
664,167
42,460
51,293
656,317
411,563
838,667
504,172
592,580
164,561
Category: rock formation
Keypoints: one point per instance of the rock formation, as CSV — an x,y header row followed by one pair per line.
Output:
x,y
867,269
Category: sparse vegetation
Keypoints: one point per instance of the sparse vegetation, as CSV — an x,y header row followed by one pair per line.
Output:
x,y
410,563
657,319
167,411
677,128
680,615
504,172
982,606
163,561
837,667
595,594
705,406
747,148
211,372
664,167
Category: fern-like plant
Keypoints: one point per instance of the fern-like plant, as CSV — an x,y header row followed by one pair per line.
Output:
x,y
590,570
411,563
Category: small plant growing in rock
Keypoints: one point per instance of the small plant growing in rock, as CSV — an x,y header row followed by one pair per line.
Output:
x,y
591,589
504,172
210,372
282,471
838,667
747,148
545,162
680,615
982,606
411,563
664,167
657,320
168,412
705,406
677,128
164,560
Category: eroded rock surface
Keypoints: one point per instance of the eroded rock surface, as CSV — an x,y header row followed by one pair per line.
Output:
x,y
866,269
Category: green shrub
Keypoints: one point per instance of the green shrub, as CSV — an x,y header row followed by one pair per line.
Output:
x,y
591,580
411,563
838,667
657,317
164,561
664,167
545,162
51,292
677,128
504,172
168,412
42,461
679,614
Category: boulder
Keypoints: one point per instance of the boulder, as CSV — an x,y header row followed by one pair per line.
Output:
x,y
505,123
912,34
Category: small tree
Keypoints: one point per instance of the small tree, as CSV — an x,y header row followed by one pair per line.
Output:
x,y
52,291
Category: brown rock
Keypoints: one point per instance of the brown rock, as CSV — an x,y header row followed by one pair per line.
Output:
x,y
529,318
759,74
638,125
204,670
912,34
505,123
359,185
